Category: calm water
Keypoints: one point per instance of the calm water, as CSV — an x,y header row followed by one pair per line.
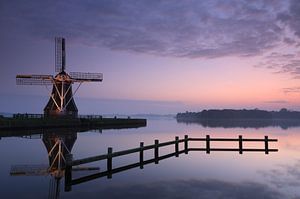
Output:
x,y
195,175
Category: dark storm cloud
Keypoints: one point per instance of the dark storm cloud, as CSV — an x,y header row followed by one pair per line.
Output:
x,y
177,28
192,189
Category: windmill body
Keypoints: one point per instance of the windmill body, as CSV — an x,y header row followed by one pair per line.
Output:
x,y
61,102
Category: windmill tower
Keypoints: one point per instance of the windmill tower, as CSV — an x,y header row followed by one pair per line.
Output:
x,y
61,102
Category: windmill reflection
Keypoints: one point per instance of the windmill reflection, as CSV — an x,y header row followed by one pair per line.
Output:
x,y
58,146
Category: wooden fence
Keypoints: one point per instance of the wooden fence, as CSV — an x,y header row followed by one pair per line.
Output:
x,y
110,155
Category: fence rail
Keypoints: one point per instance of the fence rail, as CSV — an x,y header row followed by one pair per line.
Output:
x,y
207,140
33,115
186,139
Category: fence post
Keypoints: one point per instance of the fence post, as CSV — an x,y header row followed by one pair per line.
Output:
x,y
156,142
176,146
109,161
207,144
141,155
186,139
266,145
68,172
240,144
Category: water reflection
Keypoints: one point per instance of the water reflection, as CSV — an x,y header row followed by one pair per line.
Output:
x,y
241,123
59,148
284,175
58,145
174,175
190,189
186,141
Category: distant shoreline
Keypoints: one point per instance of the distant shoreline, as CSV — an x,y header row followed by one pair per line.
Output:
x,y
230,118
240,114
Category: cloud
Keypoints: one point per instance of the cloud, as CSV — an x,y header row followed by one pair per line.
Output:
x,y
190,29
204,189
277,102
166,28
281,62
291,90
292,18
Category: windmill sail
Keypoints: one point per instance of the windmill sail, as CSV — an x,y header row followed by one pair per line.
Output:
x,y
91,77
34,79
60,54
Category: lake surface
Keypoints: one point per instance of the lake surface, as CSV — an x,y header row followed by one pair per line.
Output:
x,y
192,175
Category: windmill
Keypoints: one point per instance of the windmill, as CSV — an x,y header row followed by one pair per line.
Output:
x,y
61,102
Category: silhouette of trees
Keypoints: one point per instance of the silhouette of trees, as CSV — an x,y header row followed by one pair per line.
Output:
x,y
239,114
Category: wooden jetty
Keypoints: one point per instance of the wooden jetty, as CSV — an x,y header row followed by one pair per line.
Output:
x,y
110,170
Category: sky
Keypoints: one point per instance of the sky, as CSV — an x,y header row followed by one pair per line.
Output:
x,y
156,56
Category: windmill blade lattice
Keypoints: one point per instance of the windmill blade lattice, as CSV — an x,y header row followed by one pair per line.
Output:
x,y
92,77
34,79
60,54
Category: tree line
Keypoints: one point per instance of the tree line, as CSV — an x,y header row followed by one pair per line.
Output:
x,y
239,114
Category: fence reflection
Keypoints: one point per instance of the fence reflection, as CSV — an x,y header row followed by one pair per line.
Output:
x,y
110,170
